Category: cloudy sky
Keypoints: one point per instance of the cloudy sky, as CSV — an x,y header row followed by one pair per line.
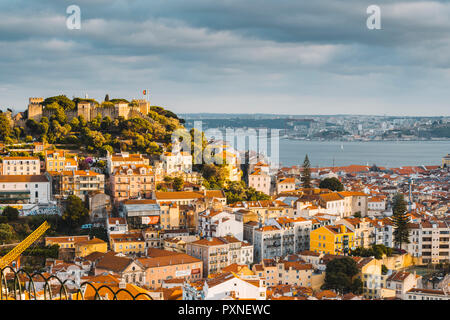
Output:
x,y
241,56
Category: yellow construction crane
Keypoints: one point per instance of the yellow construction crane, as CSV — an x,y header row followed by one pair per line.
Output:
x,y
21,247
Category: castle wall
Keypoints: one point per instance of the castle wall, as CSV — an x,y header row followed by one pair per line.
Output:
x,y
90,111
35,112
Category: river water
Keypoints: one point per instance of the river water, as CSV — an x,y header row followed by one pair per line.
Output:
x,y
390,154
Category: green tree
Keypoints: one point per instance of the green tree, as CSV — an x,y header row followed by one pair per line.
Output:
x,y
384,269
76,213
6,233
400,220
61,100
306,173
357,286
178,183
5,126
331,183
339,275
11,213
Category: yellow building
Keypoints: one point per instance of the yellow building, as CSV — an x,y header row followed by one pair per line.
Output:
x,y
332,240
85,248
65,242
130,243
60,160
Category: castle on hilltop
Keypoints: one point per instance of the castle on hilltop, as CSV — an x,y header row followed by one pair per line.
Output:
x,y
90,109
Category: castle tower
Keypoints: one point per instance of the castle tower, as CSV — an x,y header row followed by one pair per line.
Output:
x,y
144,106
122,109
35,108
84,109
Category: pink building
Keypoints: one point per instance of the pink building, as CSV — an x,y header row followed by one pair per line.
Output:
x,y
131,182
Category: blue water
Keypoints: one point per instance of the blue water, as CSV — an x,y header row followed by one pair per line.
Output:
x,y
382,153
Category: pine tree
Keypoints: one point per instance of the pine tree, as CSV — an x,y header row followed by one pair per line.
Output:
x,y
400,219
306,173
107,98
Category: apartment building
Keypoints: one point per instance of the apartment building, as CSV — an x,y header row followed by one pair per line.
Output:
x,y
190,197
84,248
171,216
60,160
25,189
383,231
130,243
364,234
116,226
285,185
66,242
265,209
21,166
335,204
280,237
355,202
287,271
375,205
132,182
218,253
227,285
333,240
427,294
176,161
260,181
219,223
402,282
164,265
125,159
77,182
430,240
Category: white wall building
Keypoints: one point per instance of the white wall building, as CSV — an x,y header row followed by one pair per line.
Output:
x,y
25,189
21,166
213,223
176,160
227,286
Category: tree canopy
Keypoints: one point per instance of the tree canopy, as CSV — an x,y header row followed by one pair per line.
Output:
x,y
331,183
339,276
306,173
400,220
76,213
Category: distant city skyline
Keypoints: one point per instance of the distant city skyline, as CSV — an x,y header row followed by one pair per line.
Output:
x,y
293,57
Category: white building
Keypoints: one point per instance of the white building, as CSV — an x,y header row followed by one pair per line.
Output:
x,y
260,178
383,232
212,223
227,286
282,236
25,189
430,240
21,166
401,282
427,294
218,253
116,226
375,205
176,161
